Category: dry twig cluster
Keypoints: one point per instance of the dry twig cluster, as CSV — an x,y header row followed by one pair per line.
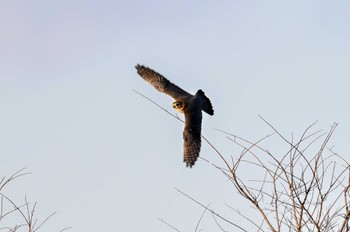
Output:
x,y
304,189
22,214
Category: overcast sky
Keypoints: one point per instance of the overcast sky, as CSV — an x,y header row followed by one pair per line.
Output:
x,y
105,158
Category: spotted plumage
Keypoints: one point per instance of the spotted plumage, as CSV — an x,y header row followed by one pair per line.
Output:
x,y
190,105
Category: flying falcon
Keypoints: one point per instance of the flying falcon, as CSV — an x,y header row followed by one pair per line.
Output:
x,y
190,105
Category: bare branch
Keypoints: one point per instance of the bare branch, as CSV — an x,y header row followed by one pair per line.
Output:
x,y
174,228
216,214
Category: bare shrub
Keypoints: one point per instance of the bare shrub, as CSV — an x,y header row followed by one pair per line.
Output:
x,y
304,189
18,216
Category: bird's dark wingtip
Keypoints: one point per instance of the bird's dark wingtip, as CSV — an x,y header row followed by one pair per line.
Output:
x,y
138,66
207,106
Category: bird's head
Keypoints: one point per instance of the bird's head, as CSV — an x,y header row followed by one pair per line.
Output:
x,y
179,106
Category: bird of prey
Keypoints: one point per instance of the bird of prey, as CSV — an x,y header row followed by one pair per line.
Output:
x,y
190,105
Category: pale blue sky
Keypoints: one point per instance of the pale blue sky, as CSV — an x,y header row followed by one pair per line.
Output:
x,y
105,158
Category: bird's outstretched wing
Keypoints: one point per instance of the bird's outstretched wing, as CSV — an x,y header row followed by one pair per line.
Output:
x,y
161,83
192,136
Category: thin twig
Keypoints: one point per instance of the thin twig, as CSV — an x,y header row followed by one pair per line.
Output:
x,y
200,219
212,211
168,224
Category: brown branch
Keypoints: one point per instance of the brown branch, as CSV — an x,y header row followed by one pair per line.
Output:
x,y
212,211
201,217
174,228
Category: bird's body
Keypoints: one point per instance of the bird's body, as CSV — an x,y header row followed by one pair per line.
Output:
x,y
190,105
